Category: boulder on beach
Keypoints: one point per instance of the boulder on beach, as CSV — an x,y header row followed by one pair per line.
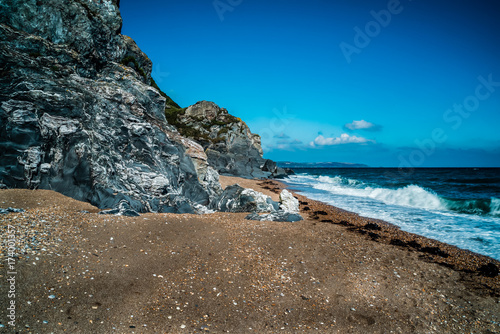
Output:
x,y
288,210
238,199
276,216
288,203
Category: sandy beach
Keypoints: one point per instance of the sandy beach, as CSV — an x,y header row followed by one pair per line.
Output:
x,y
335,272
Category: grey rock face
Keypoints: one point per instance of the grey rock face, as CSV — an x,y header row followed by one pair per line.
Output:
x,y
78,114
207,176
230,146
88,30
275,170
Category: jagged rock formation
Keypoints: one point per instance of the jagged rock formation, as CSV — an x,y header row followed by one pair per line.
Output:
x,y
288,210
238,199
231,148
79,112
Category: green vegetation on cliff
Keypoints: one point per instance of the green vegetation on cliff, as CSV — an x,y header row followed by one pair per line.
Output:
x,y
131,60
169,103
173,113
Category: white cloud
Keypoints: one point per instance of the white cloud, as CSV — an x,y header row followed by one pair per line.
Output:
x,y
362,125
343,139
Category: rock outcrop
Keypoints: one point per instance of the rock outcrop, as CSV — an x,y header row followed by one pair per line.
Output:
x,y
288,210
122,209
230,146
79,113
238,199
288,203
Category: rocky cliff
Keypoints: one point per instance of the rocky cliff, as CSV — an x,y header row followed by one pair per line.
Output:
x,y
230,146
79,114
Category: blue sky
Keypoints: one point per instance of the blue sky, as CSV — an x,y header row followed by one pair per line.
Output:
x,y
384,83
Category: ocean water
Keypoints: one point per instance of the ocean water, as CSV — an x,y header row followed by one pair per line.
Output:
x,y
458,206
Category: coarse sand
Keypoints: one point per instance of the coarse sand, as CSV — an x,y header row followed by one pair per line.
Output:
x,y
335,272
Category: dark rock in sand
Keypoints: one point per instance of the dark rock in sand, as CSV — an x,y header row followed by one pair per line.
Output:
x,y
414,244
434,251
372,227
277,216
489,270
344,223
398,242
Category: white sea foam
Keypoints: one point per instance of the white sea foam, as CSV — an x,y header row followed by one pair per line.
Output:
x,y
495,207
472,224
411,196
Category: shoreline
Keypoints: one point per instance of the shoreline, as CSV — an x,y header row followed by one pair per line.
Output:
x,y
432,250
455,207
219,273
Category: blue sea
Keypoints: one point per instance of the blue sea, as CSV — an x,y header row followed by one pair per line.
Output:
x,y
458,206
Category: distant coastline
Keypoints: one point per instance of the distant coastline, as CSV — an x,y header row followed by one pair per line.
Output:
x,y
289,164
313,165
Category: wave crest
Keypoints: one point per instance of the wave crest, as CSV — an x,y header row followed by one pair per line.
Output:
x,y
495,207
409,196
412,195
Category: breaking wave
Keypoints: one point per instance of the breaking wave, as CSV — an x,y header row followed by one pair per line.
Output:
x,y
409,196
